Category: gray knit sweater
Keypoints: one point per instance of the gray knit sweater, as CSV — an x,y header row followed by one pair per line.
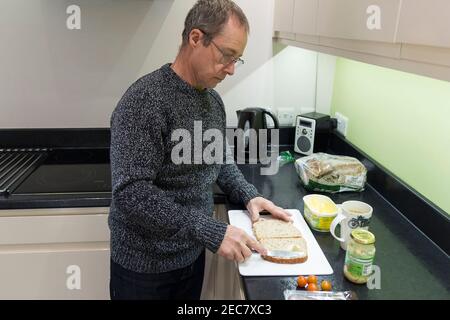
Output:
x,y
161,213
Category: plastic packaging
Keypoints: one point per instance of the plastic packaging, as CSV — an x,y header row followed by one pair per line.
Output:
x,y
319,295
284,158
330,173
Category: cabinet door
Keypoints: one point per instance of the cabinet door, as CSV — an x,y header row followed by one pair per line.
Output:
x,y
54,254
425,23
55,271
54,229
305,16
373,20
222,280
283,15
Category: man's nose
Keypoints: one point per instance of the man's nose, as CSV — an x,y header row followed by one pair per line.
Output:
x,y
230,69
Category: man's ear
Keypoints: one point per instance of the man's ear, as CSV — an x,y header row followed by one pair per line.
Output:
x,y
195,37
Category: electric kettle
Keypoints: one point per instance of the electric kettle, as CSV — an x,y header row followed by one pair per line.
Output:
x,y
254,118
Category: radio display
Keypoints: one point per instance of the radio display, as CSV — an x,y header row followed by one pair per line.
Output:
x,y
305,123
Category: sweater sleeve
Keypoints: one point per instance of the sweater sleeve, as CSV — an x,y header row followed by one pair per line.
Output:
x,y
233,183
137,155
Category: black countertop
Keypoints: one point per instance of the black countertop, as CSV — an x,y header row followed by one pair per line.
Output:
x,y
411,265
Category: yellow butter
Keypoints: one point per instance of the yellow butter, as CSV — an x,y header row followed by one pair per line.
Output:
x,y
319,212
321,205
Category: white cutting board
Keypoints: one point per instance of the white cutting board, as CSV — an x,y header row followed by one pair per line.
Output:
x,y
316,264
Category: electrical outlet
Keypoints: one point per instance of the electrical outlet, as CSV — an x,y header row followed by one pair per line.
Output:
x,y
286,116
342,123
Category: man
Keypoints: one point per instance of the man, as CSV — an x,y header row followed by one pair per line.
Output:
x,y
161,212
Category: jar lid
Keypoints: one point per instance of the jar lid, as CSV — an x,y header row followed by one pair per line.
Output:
x,y
363,236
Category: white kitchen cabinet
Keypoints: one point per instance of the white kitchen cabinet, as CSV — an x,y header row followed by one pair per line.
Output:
x,y
54,254
283,15
58,271
372,20
53,229
65,254
425,23
409,35
383,49
438,56
305,17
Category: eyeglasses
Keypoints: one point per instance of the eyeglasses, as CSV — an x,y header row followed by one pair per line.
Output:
x,y
226,58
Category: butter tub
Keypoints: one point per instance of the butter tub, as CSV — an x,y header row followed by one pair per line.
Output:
x,y
319,211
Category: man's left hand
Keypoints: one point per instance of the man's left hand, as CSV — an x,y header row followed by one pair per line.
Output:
x,y
258,204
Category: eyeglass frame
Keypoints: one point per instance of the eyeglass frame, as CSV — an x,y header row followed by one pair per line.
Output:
x,y
237,61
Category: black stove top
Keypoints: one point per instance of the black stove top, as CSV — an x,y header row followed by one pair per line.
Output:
x,y
70,171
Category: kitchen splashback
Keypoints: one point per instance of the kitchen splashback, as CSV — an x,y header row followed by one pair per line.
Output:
x,y
53,77
401,121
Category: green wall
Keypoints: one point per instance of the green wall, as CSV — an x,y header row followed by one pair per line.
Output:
x,y
401,120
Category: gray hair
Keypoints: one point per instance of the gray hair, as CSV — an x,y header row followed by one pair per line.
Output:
x,y
210,16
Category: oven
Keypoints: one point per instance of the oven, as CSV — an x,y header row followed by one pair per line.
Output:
x,y
54,245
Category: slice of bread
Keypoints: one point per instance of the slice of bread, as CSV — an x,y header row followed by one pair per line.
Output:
x,y
286,244
273,228
276,234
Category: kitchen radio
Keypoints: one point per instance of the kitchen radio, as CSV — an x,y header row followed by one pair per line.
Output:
x,y
312,133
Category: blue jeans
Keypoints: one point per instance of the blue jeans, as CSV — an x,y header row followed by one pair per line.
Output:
x,y
181,284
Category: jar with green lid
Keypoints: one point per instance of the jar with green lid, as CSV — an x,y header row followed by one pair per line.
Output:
x,y
359,256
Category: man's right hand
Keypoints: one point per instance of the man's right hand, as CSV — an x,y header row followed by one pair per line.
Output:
x,y
238,245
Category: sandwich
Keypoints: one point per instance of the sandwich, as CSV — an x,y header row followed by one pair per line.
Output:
x,y
278,235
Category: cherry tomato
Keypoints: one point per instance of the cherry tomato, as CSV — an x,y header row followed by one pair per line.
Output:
x,y
312,287
326,285
312,279
301,282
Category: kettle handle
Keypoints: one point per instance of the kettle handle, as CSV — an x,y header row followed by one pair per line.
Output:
x,y
275,120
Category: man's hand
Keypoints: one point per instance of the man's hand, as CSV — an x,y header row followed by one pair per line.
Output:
x,y
258,204
237,245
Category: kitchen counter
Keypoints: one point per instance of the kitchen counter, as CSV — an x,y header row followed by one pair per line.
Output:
x,y
411,265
